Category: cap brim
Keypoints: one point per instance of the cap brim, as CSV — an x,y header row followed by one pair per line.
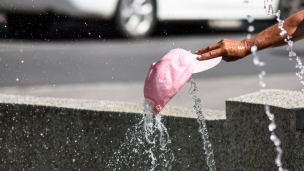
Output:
x,y
206,64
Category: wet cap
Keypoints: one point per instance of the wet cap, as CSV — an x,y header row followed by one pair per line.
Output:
x,y
167,76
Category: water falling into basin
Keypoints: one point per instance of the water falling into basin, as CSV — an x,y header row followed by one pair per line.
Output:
x,y
209,156
272,125
145,145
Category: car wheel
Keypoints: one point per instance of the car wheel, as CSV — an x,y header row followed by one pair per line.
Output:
x,y
135,18
28,26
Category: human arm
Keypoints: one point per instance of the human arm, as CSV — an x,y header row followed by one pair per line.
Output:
x,y
232,50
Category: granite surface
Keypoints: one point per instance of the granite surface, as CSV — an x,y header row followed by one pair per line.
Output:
x,y
280,98
66,134
112,106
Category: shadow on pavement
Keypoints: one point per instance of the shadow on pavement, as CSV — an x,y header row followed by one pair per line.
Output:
x,y
91,29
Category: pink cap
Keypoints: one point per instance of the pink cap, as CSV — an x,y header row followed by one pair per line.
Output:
x,y
167,76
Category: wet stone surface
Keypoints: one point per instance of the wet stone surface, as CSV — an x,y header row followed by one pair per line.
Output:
x,y
68,134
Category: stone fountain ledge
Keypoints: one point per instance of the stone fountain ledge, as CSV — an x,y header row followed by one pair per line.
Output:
x,y
279,98
38,133
109,106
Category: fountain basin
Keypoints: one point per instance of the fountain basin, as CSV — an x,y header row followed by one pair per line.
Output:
x,y
38,133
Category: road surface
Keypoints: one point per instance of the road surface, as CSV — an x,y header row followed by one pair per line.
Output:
x,y
115,68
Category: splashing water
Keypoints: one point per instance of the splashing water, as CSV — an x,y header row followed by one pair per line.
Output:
x,y
291,53
202,125
145,145
272,126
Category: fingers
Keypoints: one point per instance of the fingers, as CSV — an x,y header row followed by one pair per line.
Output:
x,y
208,48
226,59
229,59
209,55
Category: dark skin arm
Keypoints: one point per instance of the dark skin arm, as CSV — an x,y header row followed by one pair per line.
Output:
x,y
232,50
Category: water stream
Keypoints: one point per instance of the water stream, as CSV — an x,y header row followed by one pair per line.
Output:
x,y
209,156
272,125
145,146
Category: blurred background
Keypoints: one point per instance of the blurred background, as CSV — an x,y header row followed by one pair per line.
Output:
x,y
100,49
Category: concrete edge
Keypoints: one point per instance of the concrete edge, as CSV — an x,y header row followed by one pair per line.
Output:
x,y
279,98
113,106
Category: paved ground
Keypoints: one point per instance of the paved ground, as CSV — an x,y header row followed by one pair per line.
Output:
x,y
212,91
116,60
115,68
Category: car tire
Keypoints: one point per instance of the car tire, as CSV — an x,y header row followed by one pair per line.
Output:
x,y
28,26
135,18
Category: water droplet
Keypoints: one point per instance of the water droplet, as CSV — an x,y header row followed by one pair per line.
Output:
x,y
278,13
256,61
262,84
273,137
277,142
260,76
89,33
283,32
281,23
22,61
75,141
272,127
17,79
270,10
73,160
254,49
291,53
250,19
250,29
261,64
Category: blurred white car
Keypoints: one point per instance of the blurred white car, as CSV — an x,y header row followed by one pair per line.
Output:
x,y
137,18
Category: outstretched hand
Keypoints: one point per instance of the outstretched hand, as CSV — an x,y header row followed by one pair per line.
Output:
x,y
230,50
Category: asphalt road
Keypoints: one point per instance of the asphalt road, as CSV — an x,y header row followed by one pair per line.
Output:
x,y
105,62
117,60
